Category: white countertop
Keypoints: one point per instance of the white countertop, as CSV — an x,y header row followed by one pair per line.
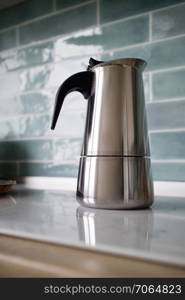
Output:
x,y
155,234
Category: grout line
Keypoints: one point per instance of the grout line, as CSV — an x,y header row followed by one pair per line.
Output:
x,y
66,162
168,160
168,69
22,139
150,88
70,162
49,137
166,100
17,36
24,160
170,130
168,38
98,12
74,161
122,20
167,7
18,116
52,137
28,115
150,27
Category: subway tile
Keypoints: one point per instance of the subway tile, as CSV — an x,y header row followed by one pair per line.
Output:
x,y
142,52
113,36
63,23
80,44
35,55
12,59
30,103
8,61
48,169
34,126
168,145
7,39
10,85
10,107
35,78
67,149
167,115
158,55
9,129
38,102
168,171
118,9
69,124
26,150
167,54
50,76
8,170
25,11
168,22
62,71
62,4
169,84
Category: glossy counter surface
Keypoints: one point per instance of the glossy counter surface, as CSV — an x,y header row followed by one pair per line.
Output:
x,y
155,234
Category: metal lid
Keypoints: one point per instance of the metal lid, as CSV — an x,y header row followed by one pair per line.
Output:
x,y
125,62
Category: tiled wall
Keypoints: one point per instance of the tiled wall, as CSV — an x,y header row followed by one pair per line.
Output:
x,y
43,42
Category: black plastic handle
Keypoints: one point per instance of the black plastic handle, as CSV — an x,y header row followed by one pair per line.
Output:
x,y
81,82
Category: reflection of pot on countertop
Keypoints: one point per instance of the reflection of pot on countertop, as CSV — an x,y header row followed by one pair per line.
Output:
x,y
130,229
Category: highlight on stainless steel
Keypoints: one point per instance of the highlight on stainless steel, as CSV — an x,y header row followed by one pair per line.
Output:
x,y
116,120
115,182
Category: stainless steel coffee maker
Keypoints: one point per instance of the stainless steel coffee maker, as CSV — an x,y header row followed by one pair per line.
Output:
x,y
115,167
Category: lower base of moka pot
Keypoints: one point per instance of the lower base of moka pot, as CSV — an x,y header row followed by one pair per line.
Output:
x,y
115,182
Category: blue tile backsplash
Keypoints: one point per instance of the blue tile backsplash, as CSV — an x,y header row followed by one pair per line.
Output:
x,y
44,42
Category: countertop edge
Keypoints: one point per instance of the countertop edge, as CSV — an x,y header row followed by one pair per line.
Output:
x,y
102,249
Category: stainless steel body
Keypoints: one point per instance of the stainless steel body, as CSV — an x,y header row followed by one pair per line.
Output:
x,y
115,170
116,117
115,182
